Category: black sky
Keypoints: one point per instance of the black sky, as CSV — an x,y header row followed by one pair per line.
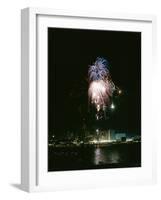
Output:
x,y
70,52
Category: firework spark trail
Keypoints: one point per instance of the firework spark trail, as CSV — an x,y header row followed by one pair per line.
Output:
x,y
101,86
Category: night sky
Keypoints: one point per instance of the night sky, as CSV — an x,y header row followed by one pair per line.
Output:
x,y
70,52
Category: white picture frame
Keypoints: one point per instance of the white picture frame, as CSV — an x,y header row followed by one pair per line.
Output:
x,y
34,23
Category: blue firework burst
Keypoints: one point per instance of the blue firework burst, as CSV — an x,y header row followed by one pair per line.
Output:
x,y
99,70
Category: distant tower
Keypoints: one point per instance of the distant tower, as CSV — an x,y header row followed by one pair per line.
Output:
x,y
109,135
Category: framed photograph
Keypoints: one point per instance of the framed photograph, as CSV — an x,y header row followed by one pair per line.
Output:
x,y
87,117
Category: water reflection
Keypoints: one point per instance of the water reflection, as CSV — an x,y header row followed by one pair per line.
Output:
x,y
92,157
105,155
98,156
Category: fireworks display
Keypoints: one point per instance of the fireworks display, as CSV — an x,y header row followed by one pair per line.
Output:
x,y
101,87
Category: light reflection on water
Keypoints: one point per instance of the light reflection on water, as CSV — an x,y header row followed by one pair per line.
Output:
x,y
92,157
103,156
